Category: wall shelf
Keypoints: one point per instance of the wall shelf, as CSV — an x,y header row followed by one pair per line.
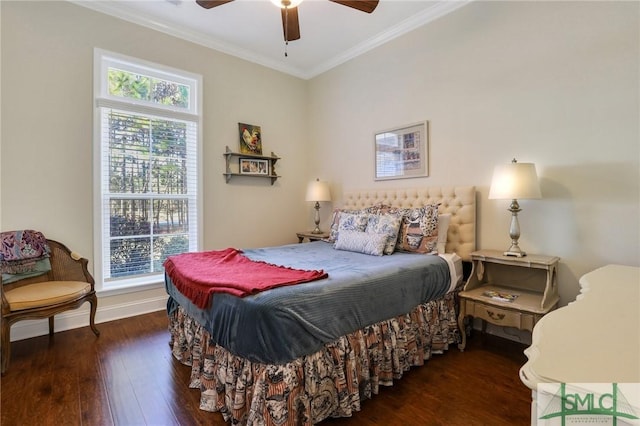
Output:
x,y
230,171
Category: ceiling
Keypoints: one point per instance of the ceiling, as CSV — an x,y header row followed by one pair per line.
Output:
x,y
252,29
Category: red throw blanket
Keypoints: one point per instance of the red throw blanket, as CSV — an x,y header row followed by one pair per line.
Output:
x,y
198,275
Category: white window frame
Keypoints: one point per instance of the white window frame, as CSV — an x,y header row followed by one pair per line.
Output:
x,y
104,59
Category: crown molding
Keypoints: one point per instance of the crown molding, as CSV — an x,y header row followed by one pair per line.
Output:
x,y
119,10
438,10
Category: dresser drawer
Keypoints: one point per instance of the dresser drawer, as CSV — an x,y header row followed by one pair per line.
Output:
x,y
503,317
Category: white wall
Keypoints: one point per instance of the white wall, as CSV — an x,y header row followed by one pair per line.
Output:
x,y
551,83
46,169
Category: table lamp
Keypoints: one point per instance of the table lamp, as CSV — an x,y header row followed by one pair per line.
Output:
x,y
318,191
512,182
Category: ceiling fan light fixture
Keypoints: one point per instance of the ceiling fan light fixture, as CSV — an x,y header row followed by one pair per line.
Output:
x,y
286,3
289,13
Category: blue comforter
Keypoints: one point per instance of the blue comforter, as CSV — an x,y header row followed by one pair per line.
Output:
x,y
285,323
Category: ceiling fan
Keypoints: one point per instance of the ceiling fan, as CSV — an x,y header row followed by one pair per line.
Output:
x,y
289,8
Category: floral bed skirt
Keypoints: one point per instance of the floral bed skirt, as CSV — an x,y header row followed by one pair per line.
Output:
x,y
329,383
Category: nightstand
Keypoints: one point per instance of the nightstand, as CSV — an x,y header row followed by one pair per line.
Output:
x,y
509,291
311,236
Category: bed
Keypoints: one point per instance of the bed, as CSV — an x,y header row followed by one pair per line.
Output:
x,y
300,354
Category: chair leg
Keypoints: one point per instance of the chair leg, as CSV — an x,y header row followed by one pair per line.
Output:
x,y
51,325
5,340
92,315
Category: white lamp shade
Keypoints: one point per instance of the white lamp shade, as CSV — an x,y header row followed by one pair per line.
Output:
x,y
515,181
318,191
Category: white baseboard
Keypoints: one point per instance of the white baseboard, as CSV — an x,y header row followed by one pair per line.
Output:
x,y
80,317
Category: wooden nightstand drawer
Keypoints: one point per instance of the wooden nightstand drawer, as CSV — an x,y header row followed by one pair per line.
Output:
x,y
503,317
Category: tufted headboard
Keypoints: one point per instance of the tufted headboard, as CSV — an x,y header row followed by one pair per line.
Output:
x,y
460,201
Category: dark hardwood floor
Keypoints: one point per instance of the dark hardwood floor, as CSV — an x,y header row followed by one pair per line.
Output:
x,y
127,376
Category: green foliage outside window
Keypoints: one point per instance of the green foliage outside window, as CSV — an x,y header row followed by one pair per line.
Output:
x,y
136,86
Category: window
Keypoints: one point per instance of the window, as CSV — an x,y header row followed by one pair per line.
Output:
x,y
147,174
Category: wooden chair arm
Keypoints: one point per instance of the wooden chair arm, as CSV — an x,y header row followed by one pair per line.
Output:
x,y
5,302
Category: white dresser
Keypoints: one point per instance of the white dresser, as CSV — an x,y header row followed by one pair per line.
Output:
x,y
595,339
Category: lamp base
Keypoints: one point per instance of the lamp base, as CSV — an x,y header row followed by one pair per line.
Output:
x,y
514,231
316,220
515,253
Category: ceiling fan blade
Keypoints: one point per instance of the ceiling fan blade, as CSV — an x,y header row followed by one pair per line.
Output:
x,y
208,4
362,5
290,24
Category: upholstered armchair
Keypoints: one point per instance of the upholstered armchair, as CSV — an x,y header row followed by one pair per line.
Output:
x,y
67,285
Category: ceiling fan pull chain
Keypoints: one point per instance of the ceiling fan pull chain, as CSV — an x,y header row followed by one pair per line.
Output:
x,y
286,30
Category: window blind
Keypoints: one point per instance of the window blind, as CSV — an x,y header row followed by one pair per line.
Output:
x,y
148,179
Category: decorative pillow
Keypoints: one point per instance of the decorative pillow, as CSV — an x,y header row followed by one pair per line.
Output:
x,y
353,222
443,229
361,242
378,208
382,208
335,221
387,224
419,230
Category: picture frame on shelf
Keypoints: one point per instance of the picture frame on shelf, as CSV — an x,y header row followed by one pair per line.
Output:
x,y
250,139
253,166
402,152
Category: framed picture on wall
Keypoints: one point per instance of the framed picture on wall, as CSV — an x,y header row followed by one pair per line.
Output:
x,y
250,139
252,166
402,152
